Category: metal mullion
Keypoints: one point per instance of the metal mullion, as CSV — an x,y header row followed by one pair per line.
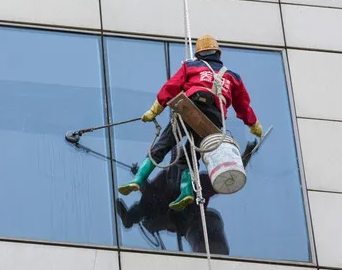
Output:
x,y
110,136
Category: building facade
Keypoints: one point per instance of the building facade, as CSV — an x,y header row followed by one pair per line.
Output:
x,y
68,65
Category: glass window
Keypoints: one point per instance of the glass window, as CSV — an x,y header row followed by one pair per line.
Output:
x,y
264,220
49,189
136,71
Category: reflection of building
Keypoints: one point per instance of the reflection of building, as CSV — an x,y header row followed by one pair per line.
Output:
x,y
59,71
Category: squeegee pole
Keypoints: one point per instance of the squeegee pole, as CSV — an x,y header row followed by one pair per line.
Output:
x,y
80,132
74,136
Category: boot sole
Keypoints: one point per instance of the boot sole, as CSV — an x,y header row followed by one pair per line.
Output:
x,y
125,190
181,205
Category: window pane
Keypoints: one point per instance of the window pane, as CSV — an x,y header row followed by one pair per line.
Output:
x,y
49,189
266,218
136,72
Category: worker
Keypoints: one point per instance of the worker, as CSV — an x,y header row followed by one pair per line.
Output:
x,y
196,79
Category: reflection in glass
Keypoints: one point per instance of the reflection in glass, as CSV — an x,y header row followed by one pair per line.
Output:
x,y
264,220
49,189
136,69
152,211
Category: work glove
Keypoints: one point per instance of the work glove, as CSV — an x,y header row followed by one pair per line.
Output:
x,y
256,129
155,110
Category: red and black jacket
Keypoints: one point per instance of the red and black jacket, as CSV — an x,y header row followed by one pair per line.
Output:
x,y
194,76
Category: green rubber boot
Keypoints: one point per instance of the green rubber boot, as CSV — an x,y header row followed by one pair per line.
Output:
x,y
187,196
142,174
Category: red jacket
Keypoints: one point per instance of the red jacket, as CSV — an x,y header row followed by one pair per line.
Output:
x,y
195,76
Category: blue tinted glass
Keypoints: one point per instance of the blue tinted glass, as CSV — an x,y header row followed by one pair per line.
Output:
x,y
49,189
266,218
136,71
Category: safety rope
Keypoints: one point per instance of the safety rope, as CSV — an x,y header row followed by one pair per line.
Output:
x,y
196,184
195,179
217,86
187,30
200,200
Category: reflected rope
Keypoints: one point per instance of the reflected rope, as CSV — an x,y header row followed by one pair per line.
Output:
x,y
157,244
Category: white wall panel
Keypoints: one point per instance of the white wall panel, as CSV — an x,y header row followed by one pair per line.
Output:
x,y
327,224
317,80
131,261
273,1
229,20
313,27
18,256
323,3
321,149
76,13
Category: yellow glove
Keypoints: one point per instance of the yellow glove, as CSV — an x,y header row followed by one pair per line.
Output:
x,y
155,110
256,129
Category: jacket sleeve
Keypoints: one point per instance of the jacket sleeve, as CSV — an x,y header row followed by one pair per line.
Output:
x,y
241,104
173,86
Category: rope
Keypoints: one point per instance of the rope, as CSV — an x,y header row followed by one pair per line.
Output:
x,y
196,184
194,174
199,199
162,245
179,138
155,244
186,54
187,31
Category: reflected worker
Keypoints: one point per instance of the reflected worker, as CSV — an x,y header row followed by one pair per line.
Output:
x,y
153,212
196,79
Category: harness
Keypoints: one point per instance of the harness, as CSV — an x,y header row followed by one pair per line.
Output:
x,y
216,89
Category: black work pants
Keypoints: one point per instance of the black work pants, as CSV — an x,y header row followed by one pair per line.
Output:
x,y
167,140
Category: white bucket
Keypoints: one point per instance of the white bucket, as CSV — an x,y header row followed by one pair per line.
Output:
x,y
224,165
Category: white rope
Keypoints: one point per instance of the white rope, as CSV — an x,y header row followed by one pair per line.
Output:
x,y
200,200
194,167
195,179
187,30
196,183
186,54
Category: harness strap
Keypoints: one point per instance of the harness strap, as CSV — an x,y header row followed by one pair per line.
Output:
x,y
216,89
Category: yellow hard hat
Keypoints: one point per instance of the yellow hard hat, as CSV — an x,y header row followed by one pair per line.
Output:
x,y
205,43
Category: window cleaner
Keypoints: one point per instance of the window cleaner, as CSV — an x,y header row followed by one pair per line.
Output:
x,y
230,92
208,83
197,80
